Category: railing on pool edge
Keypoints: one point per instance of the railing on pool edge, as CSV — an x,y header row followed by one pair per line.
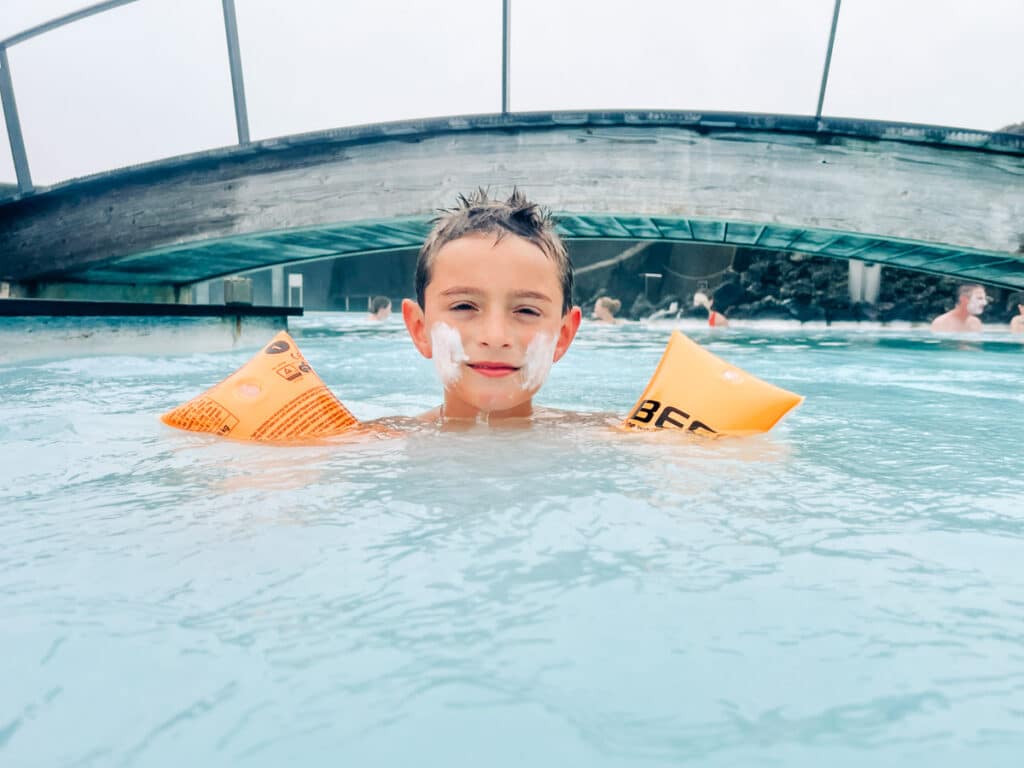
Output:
x,y
10,108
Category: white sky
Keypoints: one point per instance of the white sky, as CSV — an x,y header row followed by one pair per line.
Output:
x,y
151,79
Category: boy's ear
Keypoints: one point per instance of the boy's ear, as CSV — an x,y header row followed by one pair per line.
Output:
x,y
570,324
415,323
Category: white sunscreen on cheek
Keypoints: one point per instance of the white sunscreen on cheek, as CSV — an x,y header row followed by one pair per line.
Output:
x,y
540,355
448,353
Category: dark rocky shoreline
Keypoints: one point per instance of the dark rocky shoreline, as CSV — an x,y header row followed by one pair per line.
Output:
x,y
778,285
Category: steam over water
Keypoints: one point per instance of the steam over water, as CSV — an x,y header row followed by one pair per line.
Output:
x,y
844,591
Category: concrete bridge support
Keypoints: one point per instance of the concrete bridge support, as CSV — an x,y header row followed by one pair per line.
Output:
x,y
865,282
277,297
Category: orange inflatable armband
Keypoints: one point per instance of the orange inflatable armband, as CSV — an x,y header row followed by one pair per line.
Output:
x,y
694,390
274,396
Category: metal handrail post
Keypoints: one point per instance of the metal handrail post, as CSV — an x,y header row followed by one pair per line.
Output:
x,y
506,53
828,59
14,136
235,61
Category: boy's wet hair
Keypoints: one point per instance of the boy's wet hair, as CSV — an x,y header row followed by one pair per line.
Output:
x,y
478,213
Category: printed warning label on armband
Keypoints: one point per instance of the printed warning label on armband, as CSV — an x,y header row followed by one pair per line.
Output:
x,y
289,372
274,396
203,414
313,413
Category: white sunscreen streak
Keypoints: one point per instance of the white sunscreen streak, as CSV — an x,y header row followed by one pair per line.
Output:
x,y
448,353
540,355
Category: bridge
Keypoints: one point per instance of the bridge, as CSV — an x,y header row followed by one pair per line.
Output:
x,y
936,200
939,200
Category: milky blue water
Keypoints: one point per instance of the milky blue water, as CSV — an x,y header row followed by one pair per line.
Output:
x,y
845,591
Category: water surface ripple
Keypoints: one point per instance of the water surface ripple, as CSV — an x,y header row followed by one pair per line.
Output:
x,y
845,591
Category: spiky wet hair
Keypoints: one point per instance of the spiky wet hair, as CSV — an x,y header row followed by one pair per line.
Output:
x,y
478,213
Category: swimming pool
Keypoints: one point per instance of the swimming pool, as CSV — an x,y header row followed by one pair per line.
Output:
x,y
846,590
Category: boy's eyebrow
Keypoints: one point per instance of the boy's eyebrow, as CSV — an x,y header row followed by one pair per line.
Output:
x,y
531,295
457,289
464,289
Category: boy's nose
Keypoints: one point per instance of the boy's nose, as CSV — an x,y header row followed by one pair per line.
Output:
x,y
495,332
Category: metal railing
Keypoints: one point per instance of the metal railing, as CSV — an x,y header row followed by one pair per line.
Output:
x,y
14,136
10,107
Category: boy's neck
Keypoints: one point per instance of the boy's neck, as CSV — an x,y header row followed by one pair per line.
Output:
x,y
452,408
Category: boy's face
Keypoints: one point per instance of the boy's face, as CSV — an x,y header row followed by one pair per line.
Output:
x,y
492,320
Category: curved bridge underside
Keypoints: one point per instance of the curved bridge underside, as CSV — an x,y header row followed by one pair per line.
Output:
x,y
936,200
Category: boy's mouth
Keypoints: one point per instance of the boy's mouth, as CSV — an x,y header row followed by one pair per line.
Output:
x,y
493,370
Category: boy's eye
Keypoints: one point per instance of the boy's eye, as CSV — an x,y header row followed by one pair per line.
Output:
x,y
461,306
530,311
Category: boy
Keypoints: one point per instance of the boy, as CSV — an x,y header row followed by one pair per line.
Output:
x,y
493,306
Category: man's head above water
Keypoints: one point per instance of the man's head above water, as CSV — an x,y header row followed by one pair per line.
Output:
x,y
493,304
971,301
972,297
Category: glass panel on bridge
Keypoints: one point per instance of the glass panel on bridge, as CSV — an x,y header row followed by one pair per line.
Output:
x,y
150,79
141,82
943,62
310,67
732,55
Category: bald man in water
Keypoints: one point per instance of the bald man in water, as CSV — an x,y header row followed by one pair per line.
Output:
x,y
971,302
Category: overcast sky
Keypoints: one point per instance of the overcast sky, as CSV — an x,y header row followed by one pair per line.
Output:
x,y
151,80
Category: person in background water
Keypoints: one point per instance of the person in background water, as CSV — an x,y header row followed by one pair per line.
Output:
x,y
380,308
970,303
715,319
1017,322
605,309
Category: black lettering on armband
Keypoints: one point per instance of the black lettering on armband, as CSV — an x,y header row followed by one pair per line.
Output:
x,y
645,411
666,418
701,425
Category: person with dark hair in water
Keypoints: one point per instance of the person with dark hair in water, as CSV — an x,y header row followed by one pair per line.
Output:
x,y
1017,321
380,308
